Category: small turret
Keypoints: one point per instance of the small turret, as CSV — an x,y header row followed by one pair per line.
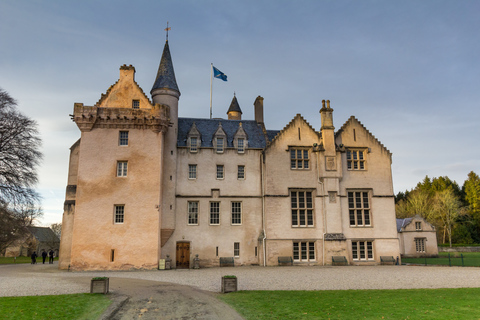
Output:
x,y
165,79
234,112
165,89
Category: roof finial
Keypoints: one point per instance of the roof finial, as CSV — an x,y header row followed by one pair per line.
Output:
x,y
167,29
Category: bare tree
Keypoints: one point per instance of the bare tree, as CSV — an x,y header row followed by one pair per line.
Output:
x,y
14,223
11,229
57,229
19,154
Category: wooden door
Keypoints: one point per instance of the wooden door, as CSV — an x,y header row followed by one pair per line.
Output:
x,y
183,255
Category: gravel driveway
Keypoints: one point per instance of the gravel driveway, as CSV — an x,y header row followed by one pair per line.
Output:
x,y
27,279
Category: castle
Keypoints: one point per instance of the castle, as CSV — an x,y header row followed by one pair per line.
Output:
x,y
144,183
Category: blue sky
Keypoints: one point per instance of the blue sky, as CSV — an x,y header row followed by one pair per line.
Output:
x,y
408,70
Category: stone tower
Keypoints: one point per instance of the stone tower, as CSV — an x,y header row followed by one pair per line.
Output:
x,y
165,92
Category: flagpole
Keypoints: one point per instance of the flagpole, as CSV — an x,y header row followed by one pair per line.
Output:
x,y
211,80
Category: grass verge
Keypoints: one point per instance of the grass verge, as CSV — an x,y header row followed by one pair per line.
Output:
x,y
11,260
357,304
82,306
470,259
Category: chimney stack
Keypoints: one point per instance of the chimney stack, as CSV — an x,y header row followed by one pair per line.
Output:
x,y
258,104
328,135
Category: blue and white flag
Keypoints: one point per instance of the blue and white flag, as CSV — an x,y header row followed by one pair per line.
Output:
x,y
219,74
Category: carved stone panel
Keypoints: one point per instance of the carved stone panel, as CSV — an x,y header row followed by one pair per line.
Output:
x,y
332,196
330,163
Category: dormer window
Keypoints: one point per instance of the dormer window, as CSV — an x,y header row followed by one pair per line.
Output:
x,y
241,145
194,139
219,146
219,139
193,144
240,141
136,104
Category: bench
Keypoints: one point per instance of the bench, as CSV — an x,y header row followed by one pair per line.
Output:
x,y
336,260
387,259
285,261
227,262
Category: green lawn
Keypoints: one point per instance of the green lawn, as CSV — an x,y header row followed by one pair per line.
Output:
x,y
357,304
83,306
470,259
335,304
10,260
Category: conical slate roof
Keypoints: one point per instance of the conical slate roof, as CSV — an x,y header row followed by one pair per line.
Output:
x,y
234,106
166,74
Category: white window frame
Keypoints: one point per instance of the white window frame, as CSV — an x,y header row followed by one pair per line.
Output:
x,y
362,250
302,208
123,138
193,144
214,213
299,159
304,251
122,168
356,159
418,225
236,213
241,145
192,213
359,208
220,172
241,172
236,249
119,214
220,147
192,171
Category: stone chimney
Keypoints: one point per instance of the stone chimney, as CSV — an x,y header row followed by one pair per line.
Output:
x,y
127,72
328,135
258,104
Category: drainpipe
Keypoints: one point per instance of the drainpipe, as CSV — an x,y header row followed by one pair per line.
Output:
x,y
324,207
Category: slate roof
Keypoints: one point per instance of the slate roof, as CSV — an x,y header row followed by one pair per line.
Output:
x,y
43,234
402,223
271,134
165,75
207,128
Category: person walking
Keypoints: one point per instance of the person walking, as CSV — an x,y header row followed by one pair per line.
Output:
x,y
50,256
44,256
34,257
